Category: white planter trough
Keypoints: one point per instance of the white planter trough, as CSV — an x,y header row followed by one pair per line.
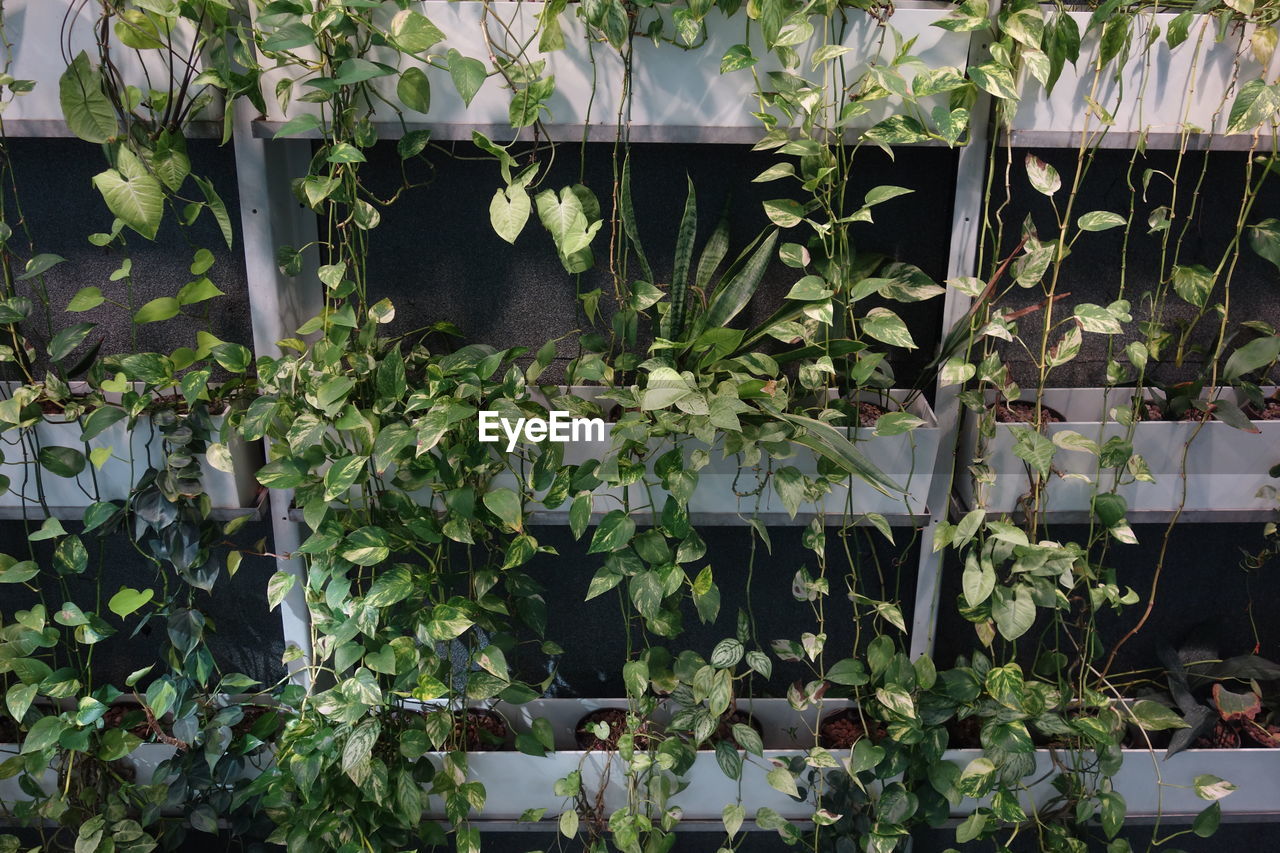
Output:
x,y
1225,467
679,92
132,453
515,782
726,488
1151,785
35,28
1161,91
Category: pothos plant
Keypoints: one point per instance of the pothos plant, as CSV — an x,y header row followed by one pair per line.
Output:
x,y
375,436
75,735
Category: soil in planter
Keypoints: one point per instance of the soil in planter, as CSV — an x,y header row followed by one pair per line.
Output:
x,y
480,730
724,731
1235,734
842,729
1024,412
1270,412
616,718
254,713
130,716
869,413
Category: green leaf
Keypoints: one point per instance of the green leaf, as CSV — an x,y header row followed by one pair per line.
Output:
x,y
1211,788
886,326
733,817
291,35
569,823
63,461
829,442
128,600
158,309
414,33
414,89
784,212
1255,104
367,546
217,207
390,587
781,779
1206,823
978,580
737,57
342,475
1264,238
996,79
1013,610
468,75
278,587
732,297
197,291
613,533
509,211
1044,178
849,672
1193,283
66,340
1033,448
505,504
1154,717
138,201
1252,356
727,653
303,123
86,299
40,264
100,419
43,734
1100,220
86,108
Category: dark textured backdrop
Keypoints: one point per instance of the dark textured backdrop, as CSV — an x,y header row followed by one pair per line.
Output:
x,y
436,257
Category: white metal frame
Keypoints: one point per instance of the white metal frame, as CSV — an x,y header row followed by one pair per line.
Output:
x,y
271,216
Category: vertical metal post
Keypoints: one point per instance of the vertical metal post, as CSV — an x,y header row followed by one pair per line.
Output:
x,y
971,177
271,217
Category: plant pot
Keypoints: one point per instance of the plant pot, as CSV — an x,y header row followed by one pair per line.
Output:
x,y
35,29
515,782
133,452
1160,91
1151,785
1225,467
681,91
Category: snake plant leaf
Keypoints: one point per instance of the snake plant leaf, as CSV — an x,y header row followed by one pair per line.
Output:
x,y
628,214
731,297
673,324
713,253
827,440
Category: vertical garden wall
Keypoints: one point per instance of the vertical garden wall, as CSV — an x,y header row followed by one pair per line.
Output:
x,y
935,347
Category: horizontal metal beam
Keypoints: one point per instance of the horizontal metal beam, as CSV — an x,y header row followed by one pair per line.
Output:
x,y
1129,140
638,133
723,519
